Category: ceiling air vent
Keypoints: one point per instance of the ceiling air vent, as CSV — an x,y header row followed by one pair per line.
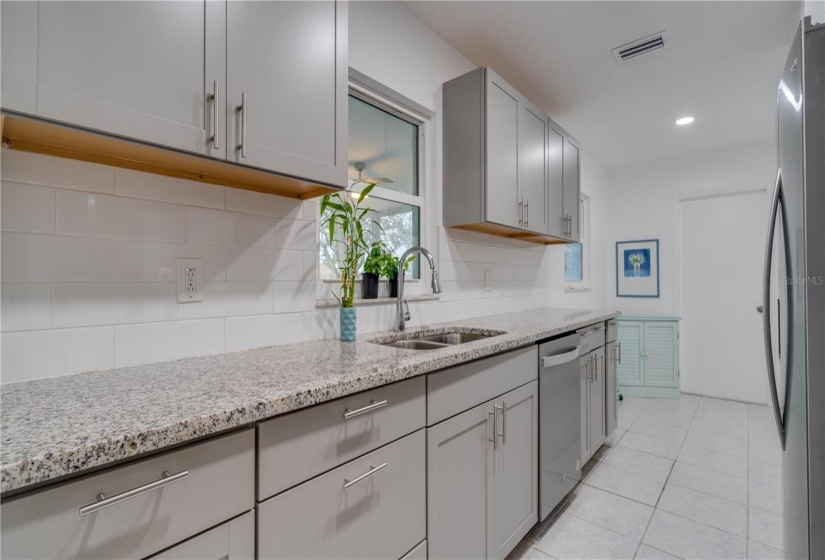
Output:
x,y
640,47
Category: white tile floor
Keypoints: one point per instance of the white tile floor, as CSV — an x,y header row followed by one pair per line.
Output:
x,y
689,478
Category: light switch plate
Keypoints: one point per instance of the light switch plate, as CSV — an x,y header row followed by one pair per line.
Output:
x,y
190,280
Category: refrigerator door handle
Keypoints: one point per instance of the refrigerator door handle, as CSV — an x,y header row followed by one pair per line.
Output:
x,y
766,303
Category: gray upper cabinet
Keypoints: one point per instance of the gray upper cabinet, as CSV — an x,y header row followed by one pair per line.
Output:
x,y
502,139
142,70
505,163
533,154
287,88
572,191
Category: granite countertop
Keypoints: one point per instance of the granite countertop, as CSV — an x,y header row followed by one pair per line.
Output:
x,y
62,425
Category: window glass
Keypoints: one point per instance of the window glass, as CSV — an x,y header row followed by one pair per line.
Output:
x,y
382,145
573,269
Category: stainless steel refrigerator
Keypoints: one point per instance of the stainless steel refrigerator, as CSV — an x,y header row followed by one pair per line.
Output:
x,y
794,316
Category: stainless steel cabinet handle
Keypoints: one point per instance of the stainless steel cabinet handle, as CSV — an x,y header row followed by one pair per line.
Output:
x,y
216,123
359,411
495,429
585,334
619,352
521,211
503,433
243,109
597,329
526,213
103,502
369,473
596,362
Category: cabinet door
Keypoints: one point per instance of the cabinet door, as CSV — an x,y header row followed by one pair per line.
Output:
x,y
234,540
143,70
460,485
18,56
661,359
533,128
516,467
287,87
556,225
502,161
630,367
596,407
571,188
585,368
611,410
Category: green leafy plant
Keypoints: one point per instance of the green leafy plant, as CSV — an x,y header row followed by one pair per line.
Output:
x,y
375,259
391,265
347,217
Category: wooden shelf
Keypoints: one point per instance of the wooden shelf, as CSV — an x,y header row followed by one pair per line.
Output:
x,y
42,137
512,233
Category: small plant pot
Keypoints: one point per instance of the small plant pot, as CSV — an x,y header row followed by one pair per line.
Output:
x,y
347,324
392,284
369,285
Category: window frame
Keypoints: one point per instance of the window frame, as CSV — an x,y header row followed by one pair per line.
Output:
x,y
584,285
398,106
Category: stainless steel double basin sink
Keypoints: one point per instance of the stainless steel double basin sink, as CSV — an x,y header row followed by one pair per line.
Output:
x,y
419,341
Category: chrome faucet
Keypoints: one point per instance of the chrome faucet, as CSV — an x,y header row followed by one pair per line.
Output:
x,y
402,314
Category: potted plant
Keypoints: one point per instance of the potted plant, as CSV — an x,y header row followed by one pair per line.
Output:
x,y
391,271
373,268
347,217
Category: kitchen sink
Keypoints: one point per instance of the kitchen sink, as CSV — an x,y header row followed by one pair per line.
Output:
x,y
422,341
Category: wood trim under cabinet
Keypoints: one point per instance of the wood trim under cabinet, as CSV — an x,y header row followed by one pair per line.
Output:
x,y
42,137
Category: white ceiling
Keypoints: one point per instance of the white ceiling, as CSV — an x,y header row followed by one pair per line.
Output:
x,y
721,65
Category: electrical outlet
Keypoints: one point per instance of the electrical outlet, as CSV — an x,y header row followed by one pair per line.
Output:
x,y
488,280
190,280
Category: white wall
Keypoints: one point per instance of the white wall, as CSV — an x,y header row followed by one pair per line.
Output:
x,y
815,9
88,251
641,203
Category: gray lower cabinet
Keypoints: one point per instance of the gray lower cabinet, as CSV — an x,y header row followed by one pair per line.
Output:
x,y
372,507
648,356
593,404
611,387
287,87
234,540
209,483
482,477
142,70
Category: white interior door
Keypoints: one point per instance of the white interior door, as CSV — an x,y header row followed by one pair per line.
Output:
x,y
722,252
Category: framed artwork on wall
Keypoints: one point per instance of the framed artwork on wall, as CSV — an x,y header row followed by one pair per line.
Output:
x,y
637,268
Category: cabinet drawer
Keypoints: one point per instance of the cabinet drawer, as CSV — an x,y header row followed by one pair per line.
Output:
x,y
219,485
612,330
323,437
460,388
234,540
591,337
349,513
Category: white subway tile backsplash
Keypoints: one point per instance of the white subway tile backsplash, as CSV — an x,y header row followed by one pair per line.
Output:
x,y
37,169
150,261
259,203
157,342
82,305
27,208
493,254
321,324
296,234
512,256
256,331
168,189
50,258
100,215
291,297
36,354
247,264
228,299
217,227
310,264
25,307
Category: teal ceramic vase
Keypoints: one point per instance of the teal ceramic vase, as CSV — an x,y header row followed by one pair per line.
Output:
x,y
347,324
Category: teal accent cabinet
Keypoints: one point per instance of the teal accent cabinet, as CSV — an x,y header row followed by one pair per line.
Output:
x,y
648,357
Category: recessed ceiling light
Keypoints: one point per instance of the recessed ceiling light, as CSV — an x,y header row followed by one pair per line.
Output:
x,y
684,120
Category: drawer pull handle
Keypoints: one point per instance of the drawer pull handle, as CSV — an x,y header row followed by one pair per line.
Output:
x,y
359,411
597,329
103,502
369,473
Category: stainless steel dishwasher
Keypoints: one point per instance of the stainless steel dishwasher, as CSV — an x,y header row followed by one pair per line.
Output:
x,y
559,420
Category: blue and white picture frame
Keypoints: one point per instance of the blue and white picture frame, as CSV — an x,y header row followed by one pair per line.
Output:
x,y
637,268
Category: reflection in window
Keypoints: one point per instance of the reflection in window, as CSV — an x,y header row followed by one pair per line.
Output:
x,y
573,269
